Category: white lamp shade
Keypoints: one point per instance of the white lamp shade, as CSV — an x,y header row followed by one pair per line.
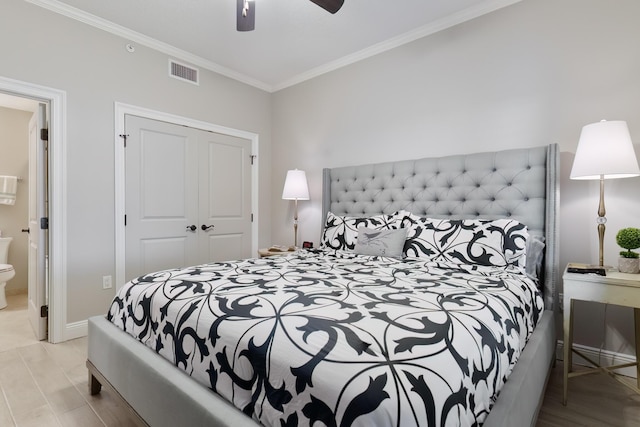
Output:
x,y
295,186
605,150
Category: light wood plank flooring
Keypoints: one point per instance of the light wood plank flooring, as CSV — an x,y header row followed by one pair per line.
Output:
x,y
44,384
594,400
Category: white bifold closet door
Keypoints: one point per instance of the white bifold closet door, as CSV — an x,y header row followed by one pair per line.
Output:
x,y
188,196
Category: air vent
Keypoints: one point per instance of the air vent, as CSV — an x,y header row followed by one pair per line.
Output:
x,y
183,72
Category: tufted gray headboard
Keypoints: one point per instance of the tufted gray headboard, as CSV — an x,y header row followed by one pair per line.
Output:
x,y
520,183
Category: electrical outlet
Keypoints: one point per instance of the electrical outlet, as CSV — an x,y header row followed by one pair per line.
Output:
x,y
106,282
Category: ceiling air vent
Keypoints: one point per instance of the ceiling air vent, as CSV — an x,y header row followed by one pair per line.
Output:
x,y
183,72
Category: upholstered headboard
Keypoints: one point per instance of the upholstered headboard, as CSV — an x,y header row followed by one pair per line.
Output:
x,y
519,184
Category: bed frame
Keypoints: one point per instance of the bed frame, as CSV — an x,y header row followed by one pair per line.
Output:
x,y
520,183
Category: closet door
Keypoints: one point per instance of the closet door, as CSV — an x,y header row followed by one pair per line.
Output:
x,y
161,196
225,197
188,196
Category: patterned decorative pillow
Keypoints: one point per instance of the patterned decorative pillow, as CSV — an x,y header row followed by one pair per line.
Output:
x,y
499,243
381,242
341,232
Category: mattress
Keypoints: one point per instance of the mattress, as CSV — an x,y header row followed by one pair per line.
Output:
x,y
338,338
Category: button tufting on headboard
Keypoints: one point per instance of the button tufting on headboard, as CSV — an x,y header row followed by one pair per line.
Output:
x,y
485,185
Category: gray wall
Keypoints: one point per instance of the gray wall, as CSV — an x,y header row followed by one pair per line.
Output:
x,y
14,161
530,74
95,70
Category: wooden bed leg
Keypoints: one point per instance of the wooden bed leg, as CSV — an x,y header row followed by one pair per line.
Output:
x,y
97,380
94,385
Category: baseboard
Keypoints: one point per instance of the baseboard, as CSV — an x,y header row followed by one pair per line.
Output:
x,y
76,330
15,291
605,357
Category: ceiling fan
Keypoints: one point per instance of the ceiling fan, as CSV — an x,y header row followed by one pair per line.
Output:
x,y
246,12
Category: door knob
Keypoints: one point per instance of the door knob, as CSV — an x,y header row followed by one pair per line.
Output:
x,y
191,227
206,227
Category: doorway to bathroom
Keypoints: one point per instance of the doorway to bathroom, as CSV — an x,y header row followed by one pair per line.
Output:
x,y
38,230
24,207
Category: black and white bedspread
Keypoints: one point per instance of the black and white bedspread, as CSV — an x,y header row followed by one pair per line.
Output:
x,y
338,339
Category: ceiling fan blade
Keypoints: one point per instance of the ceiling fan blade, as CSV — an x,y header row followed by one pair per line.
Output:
x,y
329,5
246,18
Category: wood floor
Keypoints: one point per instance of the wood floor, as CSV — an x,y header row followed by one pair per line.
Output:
x,y
594,400
44,384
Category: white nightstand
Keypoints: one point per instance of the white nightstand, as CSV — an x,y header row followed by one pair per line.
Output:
x,y
614,288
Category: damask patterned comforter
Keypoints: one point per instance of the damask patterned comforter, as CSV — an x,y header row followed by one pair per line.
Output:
x,y
338,339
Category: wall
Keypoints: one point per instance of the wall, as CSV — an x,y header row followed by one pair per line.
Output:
x,y
530,74
95,70
14,161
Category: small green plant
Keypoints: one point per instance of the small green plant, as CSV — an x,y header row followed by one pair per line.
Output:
x,y
629,238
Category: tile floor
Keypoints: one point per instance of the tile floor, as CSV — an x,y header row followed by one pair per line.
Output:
x,y
43,384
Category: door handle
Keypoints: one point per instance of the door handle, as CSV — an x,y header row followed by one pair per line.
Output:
x,y
191,227
25,230
206,227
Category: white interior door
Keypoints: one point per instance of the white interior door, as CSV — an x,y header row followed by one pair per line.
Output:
x,y
37,286
188,196
225,197
161,196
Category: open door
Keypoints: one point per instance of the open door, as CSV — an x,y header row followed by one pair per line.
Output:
x,y
38,223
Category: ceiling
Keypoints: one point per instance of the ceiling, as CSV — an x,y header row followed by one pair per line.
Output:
x,y
294,40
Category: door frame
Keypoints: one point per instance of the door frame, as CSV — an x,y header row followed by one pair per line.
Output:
x,y
57,100
121,110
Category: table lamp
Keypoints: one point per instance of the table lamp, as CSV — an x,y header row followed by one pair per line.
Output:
x,y
295,188
605,151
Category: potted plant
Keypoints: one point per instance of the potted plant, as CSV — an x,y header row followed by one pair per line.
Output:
x,y
629,239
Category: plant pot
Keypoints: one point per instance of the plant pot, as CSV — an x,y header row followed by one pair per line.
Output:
x,y
628,265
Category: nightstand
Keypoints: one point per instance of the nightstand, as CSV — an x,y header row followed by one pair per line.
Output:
x,y
265,252
614,288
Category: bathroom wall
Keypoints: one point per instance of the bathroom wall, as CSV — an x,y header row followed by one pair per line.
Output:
x,y
14,160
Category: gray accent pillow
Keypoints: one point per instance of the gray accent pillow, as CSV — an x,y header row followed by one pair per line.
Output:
x,y
387,243
535,255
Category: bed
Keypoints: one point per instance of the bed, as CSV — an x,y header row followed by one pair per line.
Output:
x,y
358,344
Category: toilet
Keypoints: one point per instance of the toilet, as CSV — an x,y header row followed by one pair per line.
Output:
x,y
6,270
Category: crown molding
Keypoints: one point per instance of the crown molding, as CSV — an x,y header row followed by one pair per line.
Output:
x,y
426,30
130,35
467,14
